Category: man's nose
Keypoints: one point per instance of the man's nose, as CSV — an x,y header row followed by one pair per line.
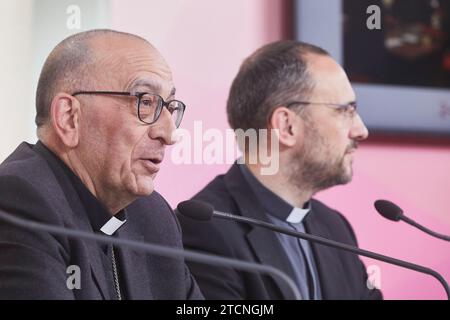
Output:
x,y
163,128
358,130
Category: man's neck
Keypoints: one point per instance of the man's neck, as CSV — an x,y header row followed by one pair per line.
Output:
x,y
110,199
113,202
280,185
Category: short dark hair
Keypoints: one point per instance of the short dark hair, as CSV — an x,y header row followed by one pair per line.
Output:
x,y
69,67
275,73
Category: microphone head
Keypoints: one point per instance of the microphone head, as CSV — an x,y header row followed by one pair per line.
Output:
x,y
388,210
197,210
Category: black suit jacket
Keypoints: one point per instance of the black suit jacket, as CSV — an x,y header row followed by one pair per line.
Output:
x,y
33,265
341,274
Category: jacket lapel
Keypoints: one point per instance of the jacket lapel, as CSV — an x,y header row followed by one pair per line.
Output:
x,y
264,243
329,273
134,264
95,259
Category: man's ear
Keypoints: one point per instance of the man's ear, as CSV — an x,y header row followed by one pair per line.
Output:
x,y
288,124
65,116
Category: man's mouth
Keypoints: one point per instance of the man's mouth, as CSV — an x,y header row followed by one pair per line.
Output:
x,y
156,160
152,164
352,147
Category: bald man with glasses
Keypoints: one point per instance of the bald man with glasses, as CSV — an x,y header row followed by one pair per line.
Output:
x,y
106,110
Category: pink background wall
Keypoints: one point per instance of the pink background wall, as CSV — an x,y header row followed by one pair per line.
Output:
x,y
205,41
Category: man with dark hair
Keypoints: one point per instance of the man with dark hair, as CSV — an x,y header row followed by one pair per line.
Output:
x,y
298,91
105,113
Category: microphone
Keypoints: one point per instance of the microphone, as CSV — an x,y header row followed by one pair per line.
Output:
x,y
391,211
160,250
202,211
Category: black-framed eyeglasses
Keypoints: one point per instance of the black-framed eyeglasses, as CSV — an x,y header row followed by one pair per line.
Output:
x,y
149,105
349,109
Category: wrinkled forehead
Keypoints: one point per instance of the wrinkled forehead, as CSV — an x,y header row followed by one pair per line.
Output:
x,y
330,80
134,65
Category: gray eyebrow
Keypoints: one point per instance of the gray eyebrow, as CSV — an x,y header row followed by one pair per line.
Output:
x,y
153,86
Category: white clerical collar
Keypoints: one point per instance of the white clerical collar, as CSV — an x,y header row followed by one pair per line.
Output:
x,y
298,214
112,226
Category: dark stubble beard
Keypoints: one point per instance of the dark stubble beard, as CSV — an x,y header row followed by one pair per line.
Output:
x,y
313,166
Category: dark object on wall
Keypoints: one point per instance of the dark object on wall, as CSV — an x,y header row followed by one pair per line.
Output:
x,y
401,72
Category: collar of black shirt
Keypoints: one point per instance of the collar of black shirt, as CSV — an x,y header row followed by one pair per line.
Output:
x,y
273,204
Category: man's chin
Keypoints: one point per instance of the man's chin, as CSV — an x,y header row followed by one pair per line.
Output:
x,y
346,179
341,178
144,186
347,175
144,192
